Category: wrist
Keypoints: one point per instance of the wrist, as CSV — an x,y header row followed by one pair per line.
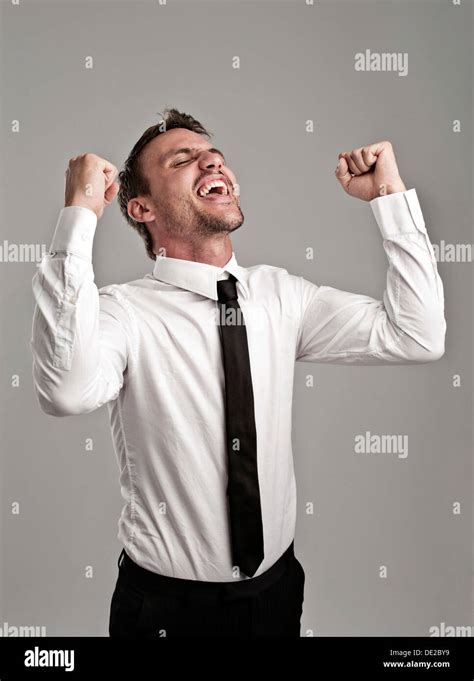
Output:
x,y
80,204
392,188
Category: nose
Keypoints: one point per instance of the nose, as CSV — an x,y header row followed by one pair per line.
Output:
x,y
210,160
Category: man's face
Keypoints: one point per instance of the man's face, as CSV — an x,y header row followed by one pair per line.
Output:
x,y
179,165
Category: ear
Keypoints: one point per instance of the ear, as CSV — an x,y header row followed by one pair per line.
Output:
x,y
139,211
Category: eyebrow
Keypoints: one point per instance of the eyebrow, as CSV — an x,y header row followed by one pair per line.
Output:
x,y
188,150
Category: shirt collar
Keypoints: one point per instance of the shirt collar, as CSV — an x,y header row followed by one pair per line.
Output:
x,y
198,277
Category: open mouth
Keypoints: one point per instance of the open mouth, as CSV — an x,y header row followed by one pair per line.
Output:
x,y
215,190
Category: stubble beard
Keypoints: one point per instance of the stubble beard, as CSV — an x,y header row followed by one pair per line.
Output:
x,y
185,220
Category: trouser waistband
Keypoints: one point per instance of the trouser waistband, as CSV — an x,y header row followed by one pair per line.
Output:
x,y
175,586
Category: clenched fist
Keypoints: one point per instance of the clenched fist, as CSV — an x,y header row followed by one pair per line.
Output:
x,y
369,172
90,183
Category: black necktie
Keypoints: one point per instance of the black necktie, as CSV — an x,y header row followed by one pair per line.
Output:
x,y
241,438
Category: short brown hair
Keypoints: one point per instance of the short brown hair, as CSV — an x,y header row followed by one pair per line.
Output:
x,y
131,179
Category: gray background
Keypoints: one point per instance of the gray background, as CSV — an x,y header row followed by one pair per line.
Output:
x,y
297,63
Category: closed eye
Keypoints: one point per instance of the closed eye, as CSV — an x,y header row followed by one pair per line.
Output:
x,y
180,163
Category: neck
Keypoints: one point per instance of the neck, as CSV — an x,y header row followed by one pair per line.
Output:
x,y
213,251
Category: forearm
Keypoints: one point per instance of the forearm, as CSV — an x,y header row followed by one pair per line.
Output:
x,y
74,369
414,296
405,325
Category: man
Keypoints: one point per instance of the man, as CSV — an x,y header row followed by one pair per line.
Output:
x,y
195,362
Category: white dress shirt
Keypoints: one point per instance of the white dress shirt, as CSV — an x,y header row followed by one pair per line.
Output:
x,y
150,349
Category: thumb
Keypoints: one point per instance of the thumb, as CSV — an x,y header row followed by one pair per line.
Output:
x,y
111,192
343,174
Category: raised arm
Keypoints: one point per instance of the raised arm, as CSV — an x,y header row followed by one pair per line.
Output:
x,y
80,337
407,324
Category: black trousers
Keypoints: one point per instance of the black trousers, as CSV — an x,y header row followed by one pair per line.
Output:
x,y
146,605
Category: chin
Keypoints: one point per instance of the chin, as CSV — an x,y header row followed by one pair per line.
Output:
x,y
236,225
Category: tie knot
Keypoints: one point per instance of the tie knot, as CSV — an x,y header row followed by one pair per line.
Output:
x,y
226,289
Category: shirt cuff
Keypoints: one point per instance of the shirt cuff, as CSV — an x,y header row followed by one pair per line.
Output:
x,y
75,231
398,213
